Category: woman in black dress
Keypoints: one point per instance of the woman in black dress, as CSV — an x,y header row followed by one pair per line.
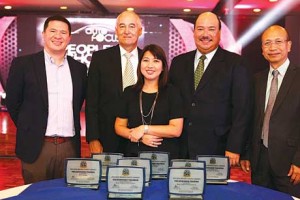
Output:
x,y
151,112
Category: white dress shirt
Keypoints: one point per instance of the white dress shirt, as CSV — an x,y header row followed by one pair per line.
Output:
x,y
134,60
282,70
60,98
209,57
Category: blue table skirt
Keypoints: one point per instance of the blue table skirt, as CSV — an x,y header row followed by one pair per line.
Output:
x,y
57,189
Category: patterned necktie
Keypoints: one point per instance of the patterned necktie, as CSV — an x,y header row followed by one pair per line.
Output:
x,y
271,101
128,76
199,71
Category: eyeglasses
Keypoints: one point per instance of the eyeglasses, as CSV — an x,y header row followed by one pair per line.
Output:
x,y
276,42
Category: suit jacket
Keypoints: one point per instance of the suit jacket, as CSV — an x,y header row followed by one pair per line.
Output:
x,y
284,130
218,113
27,102
103,93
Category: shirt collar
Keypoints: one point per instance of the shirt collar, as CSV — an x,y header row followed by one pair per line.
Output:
x,y
49,58
134,52
282,68
209,56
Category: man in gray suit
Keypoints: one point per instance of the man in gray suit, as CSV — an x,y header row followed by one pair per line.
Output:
x,y
275,143
217,109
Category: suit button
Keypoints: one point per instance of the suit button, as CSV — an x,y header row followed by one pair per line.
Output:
x,y
193,104
190,123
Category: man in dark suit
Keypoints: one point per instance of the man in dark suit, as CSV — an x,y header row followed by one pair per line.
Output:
x,y
106,81
217,109
275,143
45,92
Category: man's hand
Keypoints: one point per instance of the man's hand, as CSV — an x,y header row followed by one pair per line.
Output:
x,y
234,158
294,173
96,146
245,165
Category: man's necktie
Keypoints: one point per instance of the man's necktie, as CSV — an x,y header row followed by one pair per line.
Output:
x,y
271,101
199,71
128,76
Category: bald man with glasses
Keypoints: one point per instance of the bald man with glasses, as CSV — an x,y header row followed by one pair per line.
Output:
x,y
275,145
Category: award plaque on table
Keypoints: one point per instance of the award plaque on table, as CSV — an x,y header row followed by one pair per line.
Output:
x,y
83,173
124,182
217,168
107,159
186,183
160,163
187,163
138,162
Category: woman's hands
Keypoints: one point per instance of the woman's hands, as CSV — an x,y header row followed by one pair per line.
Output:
x,y
138,134
151,140
135,134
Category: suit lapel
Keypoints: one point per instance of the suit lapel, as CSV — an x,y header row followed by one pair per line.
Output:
x,y
116,65
190,72
261,86
284,88
75,84
40,69
211,69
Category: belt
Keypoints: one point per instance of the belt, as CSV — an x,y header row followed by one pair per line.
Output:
x,y
57,139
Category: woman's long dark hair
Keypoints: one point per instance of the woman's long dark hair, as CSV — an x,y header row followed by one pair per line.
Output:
x,y
159,54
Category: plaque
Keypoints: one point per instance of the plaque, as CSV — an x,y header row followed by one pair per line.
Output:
x,y
138,162
125,182
83,173
217,169
187,163
107,159
186,183
160,163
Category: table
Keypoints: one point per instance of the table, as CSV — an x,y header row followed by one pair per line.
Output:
x,y
57,189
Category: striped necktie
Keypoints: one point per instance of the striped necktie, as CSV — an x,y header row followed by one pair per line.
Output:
x,y
128,76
